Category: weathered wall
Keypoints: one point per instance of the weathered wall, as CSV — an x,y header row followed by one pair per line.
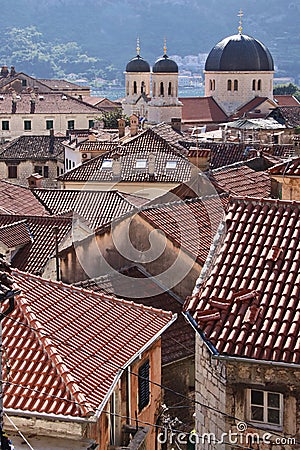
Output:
x,y
26,168
290,187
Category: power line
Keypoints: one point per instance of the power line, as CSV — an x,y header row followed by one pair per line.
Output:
x,y
18,431
106,361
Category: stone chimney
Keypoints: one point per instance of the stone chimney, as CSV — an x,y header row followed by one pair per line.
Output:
x,y
151,164
4,71
35,181
12,71
32,102
134,125
51,143
121,127
176,124
14,102
117,165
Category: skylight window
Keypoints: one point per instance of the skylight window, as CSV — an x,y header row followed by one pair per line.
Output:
x,y
107,164
171,164
141,164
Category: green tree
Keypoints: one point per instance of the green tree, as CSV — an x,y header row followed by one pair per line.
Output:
x,y
110,118
287,89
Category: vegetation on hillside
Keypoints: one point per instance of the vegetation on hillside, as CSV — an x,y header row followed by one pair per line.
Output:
x,y
287,89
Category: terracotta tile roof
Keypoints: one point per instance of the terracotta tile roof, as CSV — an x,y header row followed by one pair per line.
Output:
x,y
138,147
247,297
173,137
97,207
287,115
15,235
19,200
47,103
251,106
201,110
291,167
97,146
33,256
178,341
33,147
286,100
239,179
73,346
190,224
62,85
224,154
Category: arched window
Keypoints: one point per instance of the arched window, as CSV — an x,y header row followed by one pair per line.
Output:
x,y
127,88
161,89
154,89
142,87
253,85
214,85
170,89
229,85
259,85
210,85
134,87
236,85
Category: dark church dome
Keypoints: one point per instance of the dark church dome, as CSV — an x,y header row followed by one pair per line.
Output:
x,y
165,65
239,53
138,64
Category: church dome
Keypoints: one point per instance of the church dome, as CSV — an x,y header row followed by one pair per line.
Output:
x,y
165,65
138,64
239,53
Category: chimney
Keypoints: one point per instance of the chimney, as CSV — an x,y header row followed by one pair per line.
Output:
x,y
14,103
35,180
151,164
12,71
121,127
51,143
4,71
134,124
116,165
32,103
176,124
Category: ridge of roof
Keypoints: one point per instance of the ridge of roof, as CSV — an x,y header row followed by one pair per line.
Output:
x,y
72,288
53,353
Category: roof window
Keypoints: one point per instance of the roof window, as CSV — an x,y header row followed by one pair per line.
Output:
x,y
107,164
171,164
141,164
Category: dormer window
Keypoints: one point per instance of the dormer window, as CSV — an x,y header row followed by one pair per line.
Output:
x,y
107,164
171,164
141,164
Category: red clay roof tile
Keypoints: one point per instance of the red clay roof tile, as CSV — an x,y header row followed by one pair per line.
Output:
x,y
79,340
269,287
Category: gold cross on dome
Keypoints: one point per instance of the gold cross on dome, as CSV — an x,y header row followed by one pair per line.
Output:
x,y
240,15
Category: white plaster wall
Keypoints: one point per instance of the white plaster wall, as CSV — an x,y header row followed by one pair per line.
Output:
x,y
232,100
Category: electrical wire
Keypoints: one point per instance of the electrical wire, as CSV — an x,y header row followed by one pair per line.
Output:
x,y
106,361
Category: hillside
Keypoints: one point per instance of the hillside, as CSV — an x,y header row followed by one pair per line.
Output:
x,y
98,36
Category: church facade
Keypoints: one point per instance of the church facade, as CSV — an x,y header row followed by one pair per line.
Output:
x,y
238,70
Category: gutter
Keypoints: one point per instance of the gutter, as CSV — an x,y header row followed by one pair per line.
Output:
x,y
239,359
208,344
129,363
45,416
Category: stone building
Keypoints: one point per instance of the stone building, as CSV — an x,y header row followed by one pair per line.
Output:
x,y
245,311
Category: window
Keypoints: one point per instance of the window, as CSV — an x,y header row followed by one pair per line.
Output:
x,y
134,87
91,123
253,85
170,89
143,87
46,172
27,125
266,407
71,124
161,89
24,83
12,172
107,164
259,85
235,85
38,169
143,385
141,164
49,124
5,125
171,164
229,85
